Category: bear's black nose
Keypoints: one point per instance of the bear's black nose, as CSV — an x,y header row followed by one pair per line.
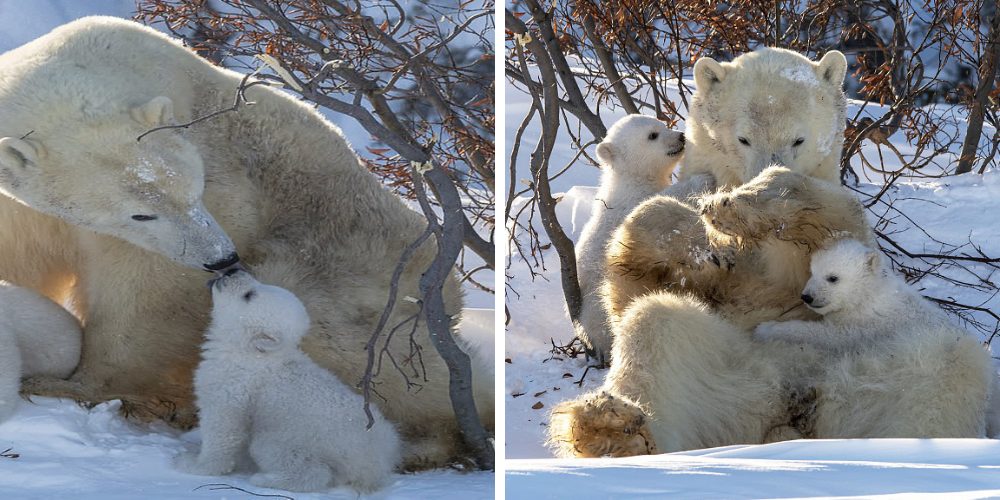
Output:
x,y
808,299
229,261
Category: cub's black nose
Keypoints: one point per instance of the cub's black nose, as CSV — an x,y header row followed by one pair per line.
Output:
x,y
808,299
682,139
230,260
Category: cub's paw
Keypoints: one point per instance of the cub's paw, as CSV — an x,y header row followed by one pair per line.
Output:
x,y
600,425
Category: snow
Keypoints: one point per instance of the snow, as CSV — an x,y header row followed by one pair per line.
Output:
x,y
955,210
877,468
66,451
801,74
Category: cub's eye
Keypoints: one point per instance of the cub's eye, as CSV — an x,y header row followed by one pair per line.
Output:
x,y
744,141
144,218
249,295
798,142
653,135
832,279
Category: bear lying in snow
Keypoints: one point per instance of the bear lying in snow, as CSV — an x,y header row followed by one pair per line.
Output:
x,y
894,365
37,338
637,158
258,393
123,228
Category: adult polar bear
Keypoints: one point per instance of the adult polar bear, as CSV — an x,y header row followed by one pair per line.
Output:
x,y
118,225
684,373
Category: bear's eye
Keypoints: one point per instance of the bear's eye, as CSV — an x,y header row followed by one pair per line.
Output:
x,y
249,295
144,218
744,141
653,135
832,279
798,142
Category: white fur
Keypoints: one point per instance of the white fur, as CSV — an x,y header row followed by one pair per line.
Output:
x,y
280,180
897,366
637,158
37,337
259,393
771,98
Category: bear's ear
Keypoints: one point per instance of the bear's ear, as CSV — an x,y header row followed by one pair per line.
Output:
x,y
262,342
871,260
17,155
707,74
606,152
832,68
157,112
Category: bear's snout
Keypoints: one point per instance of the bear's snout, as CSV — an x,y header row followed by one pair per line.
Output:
x,y
228,261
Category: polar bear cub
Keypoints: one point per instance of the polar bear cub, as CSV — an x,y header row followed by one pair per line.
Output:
x,y
37,338
257,392
898,366
637,158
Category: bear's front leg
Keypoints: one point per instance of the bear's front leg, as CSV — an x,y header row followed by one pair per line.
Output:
x,y
661,245
225,430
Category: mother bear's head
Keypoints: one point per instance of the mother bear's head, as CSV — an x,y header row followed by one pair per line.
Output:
x,y
770,106
95,174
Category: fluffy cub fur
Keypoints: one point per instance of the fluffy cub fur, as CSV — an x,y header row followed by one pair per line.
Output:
x,y
258,392
897,365
637,157
37,338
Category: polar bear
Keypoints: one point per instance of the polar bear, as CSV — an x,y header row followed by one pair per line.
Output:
x,y
684,362
37,337
123,229
257,392
896,365
637,159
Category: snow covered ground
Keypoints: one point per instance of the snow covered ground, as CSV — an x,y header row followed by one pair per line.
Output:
x,y
955,210
56,449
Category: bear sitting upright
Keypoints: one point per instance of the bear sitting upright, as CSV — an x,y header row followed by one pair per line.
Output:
x,y
258,392
637,158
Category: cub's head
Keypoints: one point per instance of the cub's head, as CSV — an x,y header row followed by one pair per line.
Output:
x,y
261,318
771,106
93,173
641,146
843,276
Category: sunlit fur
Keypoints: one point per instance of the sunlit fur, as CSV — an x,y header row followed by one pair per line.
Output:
x,y
772,98
896,365
683,303
637,157
281,181
257,392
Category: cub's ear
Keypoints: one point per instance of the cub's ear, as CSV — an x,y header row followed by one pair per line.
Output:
x,y
157,112
262,342
832,68
708,73
16,155
871,260
606,153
